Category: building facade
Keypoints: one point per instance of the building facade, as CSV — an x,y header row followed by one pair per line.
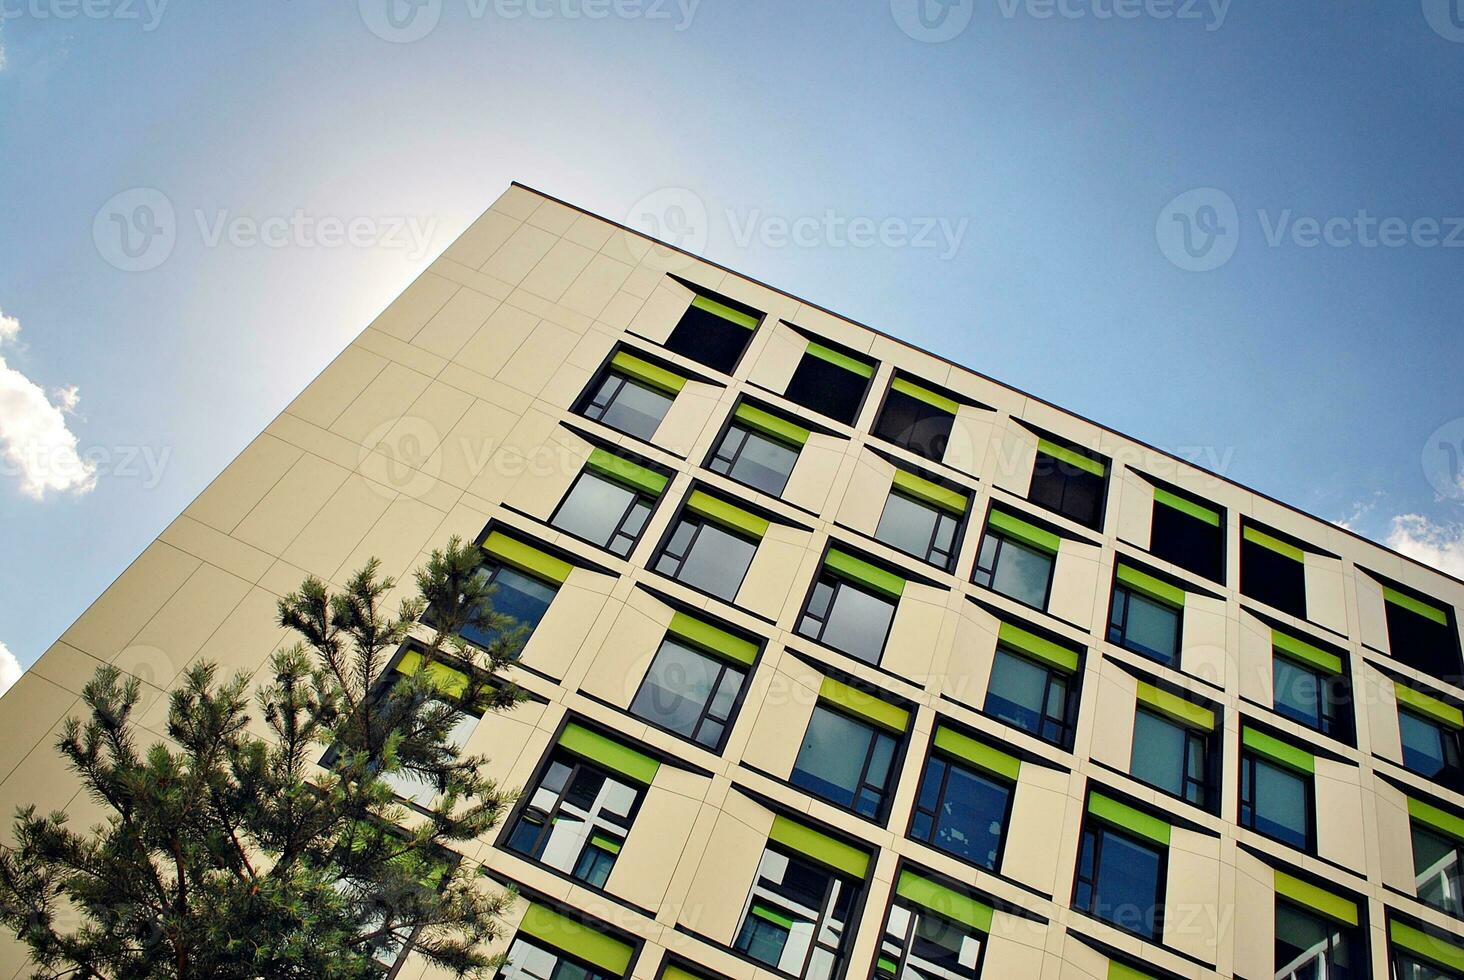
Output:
x,y
845,661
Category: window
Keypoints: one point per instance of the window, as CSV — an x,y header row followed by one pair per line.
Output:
x,y
846,761
1121,867
1429,748
1437,863
830,382
1031,686
631,395
694,682
609,503
1420,955
1408,967
1309,686
1273,571
714,333
1422,635
922,518
1171,756
916,419
414,787
1311,947
1189,534
711,546
758,449
965,799
1276,789
527,960
1069,483
852,607
551,946
515,594
1145,616
1016,560
921,944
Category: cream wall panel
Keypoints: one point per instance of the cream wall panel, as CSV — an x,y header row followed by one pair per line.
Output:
x,y
1395,840
503,333
813,475
482,238
781,351
1192,895
687,417
1135,508
1339,814
557,270
782,718
533,364
654,846
728,869
1006,956
664,309
341,524
548,473
325,398
1372,618
1326,599
290,504
1256,678
241,486
447,331
625,653
914,637
596,286
971,435
114,618
387,398
866,494
518,256
1205,642
556,641
1016,453
773,573
1114,703
1377,701
469,445
1075,582
1081,962
1254,948
1038,812
967,668
503,737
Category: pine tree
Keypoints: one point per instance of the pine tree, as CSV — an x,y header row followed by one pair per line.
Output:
x,y
227,853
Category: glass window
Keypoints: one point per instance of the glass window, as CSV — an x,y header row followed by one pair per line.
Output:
x,y
1067,489
798,918
1188,542
527,960
1274,578
1031,696
1144,625
1429,749
750,457
1424,643
1169,756
714,333
845,761
849,619
920,427
415,787
1015,570
627,405
919,945
918,529
1275,801
690,693
603,512
827,388
1436,870
576,819
1305,694
1409,967
1309,947
1120,880
706,556
962,811
515,594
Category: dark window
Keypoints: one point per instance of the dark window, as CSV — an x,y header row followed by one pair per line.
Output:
x,y
918,529
415,787
576,819
1437,868
1144,625
1309,947
1275,801
713,333
1120,880
1273,571
527,960
1016,570
515,594
603,512
1423,637
706,556
1190,535
962,811
1031,696
690,693
1170,756
1408,967
623,403
845,761
757,460
1306,694
1429,748
1071,485
799,917
919,945
827,382
920,427
848,618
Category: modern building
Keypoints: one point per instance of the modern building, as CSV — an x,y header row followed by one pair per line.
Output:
x,y
846,661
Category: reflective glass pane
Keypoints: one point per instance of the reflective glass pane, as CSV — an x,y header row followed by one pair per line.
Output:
x,y
1016,690
521,596
1158,752
676,688
1152,628
764,463
1436,870
1280,803
858,623
637,410
1128,884
972,817
907,525
831,758
1022,573
1298,692
718,562
1423,744
593,508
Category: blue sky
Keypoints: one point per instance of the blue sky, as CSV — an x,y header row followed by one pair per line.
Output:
x,y
1020,175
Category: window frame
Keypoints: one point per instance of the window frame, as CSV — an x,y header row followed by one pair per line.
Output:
x,y
1455,878
886,793
890,391
1002,540
1067,725
908,941
705,714
833,361
836,583
592,972
637,497
1338,936
589,407
1117,631
1449,742
687,516
1206,782
958,525
716,455
498,566
1095,828
1249,760
1069,472
932,757
857,895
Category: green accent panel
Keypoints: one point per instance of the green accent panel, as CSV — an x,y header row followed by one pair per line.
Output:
x,y
931,493
725,312
1278,751
1416,606
1150,586
546,925
1303,651
1127,818
633,765
1066,455
1050,653
948,405
605,843
527,558
1428,705
772,915
819,847
979,754
1431,816
728,515
886,965
651,374
674,972
1436,951
713,639
1304,893
1186,506
1265,540
770,425
874,710
624,471
944,902
861,571
1185,712
841,360
446,679
1117,971
1031,534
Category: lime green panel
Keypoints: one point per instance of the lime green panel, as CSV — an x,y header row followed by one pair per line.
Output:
x,y
944,902
713,639
1436,951
932,493
1127,818
866,705
1305,894
674,972
1425,704
1265,540
861,571
1050,653
605,843
979,754
1072,458
725,312
624,471
819,847
633,765
651,374
1117,971
1150,586
1282,753
447,680
841,360
1416,606
548,926
1185,712
948,405
1440,820
527,558
1015,527
769,914
770,425
886,965
728,515
1304,652
1186,506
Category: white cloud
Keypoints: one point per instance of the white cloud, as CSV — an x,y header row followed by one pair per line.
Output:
x,y
10,668
1439,545
35,443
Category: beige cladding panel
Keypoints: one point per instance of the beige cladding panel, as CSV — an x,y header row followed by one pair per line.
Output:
x,y
773,573
655,845
1377,703
1205,643
1326,599
1192,895
1039,810
1254,946
782,350
1372,618
1339,814
727,870
689,415
814,474
1395,837
1135,508
547,473
1115,702
914,639
557,639
867,492
968,658
1079,569
782,717
625,653
1256,674
972,431
1015,454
